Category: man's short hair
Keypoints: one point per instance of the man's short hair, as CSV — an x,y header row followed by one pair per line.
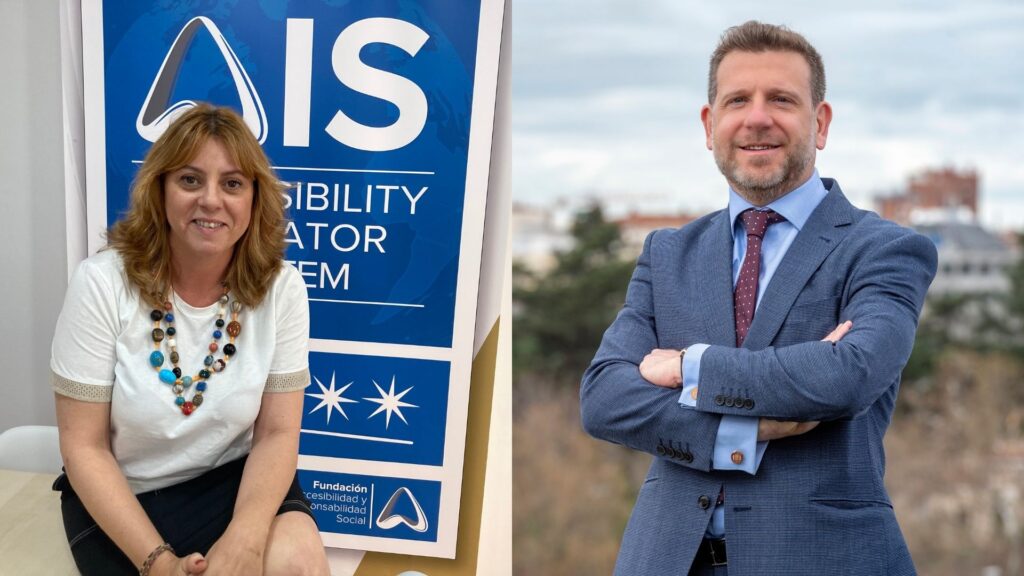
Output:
x,y
754,36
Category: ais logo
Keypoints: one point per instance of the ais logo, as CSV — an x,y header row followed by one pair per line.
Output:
x,y
158,112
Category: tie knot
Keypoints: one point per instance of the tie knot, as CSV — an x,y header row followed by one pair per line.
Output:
x,y
757,221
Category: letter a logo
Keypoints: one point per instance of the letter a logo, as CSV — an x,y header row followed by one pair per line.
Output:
x,y
157,112
388,519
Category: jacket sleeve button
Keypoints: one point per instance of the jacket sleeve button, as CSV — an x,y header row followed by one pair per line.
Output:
x,y
704,502
748,404
730,402
719,400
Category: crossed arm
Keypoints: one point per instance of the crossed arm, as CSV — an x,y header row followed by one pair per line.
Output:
x,y
806,382
618,405
662,367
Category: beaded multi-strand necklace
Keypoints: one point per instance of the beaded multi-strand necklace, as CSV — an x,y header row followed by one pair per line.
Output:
x,y
173,377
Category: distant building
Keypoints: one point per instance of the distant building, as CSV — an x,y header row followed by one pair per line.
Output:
x,y
972,260
942,204
635,227
933,195
537,234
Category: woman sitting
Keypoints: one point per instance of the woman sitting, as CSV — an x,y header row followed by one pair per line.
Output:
x,y
179,429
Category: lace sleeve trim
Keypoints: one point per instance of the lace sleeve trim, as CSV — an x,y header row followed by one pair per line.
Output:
x,y
289,382
79,391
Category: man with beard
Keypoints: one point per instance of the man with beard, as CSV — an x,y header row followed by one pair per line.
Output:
x,y
759,351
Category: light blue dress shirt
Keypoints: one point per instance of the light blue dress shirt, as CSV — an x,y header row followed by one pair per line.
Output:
x,y
739,433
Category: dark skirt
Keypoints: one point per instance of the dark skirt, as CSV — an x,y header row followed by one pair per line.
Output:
x,y
191,516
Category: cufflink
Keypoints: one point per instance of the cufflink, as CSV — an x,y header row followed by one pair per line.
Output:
x,y
737,457
693,393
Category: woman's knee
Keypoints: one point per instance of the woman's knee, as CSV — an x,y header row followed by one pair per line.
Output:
x,y
297,565
294,548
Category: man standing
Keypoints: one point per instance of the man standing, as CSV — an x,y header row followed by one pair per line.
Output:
x,y
765,436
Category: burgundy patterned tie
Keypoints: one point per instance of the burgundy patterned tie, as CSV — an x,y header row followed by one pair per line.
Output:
x,y
745,294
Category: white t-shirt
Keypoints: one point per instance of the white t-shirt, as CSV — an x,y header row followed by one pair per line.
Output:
x,y
101,351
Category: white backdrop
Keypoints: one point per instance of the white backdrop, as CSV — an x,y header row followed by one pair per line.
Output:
x,y
33,253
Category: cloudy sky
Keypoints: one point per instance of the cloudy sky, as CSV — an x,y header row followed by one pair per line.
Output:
x,y
607,94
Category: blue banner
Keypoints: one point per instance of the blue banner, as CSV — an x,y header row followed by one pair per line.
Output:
x,y
377,115
374,408
363,108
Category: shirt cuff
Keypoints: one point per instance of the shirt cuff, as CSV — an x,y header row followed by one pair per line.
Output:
x,y
691,374
736,446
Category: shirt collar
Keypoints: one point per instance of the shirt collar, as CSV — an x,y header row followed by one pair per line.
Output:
x,y
796,207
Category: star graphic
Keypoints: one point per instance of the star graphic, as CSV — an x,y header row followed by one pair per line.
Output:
x,y
390,403
331,398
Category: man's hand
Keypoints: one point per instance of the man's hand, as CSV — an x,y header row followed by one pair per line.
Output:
x,y
840,331
774,429
662,367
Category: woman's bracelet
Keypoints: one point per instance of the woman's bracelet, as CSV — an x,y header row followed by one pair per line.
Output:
x,y
165,547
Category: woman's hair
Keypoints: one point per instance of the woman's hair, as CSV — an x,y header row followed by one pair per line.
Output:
x,y
142,237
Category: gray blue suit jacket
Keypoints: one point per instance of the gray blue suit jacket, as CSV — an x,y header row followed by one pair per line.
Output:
x,y
817,504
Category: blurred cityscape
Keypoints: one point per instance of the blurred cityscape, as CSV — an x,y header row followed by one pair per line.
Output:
x,y
956,445
940,203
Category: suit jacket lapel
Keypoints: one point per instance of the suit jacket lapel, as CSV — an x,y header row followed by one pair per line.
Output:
x,y
826,227
715,281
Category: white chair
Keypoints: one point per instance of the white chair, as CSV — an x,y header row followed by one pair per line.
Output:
x,y
31,449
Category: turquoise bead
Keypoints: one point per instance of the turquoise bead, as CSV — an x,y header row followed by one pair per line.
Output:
x,y
167,377
156,358
179,400
186,381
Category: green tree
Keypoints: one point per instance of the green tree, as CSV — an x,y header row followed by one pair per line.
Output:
x,y
560,316
984,322
1015,304
934,336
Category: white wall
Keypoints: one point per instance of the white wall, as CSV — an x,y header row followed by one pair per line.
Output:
x,y
33,253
